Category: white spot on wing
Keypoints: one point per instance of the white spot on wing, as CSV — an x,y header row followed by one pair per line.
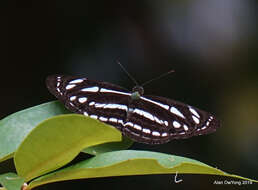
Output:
x,y
146,131
70,86
76,81
129,124
130,109
157,120
99,105
114,91
138,127
164,135
176,124
154,102
122,107
91,103
72,98
204,127
155,133
196,120
116,106
144,113
103,118
94,116
175,111
161,122
113,119
90,89
58,90
194,112
120,121
185,128
82,99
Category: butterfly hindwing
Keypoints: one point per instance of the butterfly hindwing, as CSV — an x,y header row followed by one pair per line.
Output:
x,y
185,120
170,120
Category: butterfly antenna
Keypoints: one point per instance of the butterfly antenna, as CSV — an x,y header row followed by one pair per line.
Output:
x,y
128,74
159,77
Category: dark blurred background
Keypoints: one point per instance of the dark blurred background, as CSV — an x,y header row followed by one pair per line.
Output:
x,y
211,44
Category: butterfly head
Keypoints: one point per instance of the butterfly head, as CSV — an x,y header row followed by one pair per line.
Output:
x,y
137,92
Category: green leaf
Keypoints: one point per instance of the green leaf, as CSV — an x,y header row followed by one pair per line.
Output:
x,y
56,141
130,162
11,181
15,127
108,147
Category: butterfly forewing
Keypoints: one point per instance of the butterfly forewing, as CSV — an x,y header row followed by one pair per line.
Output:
x,y
91,98
148,119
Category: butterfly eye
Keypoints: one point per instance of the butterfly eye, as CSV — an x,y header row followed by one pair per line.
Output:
x,y
138,89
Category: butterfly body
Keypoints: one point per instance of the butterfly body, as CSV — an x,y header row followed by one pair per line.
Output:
x,y
145,119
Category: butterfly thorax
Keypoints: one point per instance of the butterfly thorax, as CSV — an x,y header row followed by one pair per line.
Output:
x,y
137,92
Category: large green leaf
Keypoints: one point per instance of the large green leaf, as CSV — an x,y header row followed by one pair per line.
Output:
x,y
130,162
11,181
56,141
15,127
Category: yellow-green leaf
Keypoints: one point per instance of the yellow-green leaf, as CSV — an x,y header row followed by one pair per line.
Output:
x,y
56,141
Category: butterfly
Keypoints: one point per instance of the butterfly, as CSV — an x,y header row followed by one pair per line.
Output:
x,y
145,119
